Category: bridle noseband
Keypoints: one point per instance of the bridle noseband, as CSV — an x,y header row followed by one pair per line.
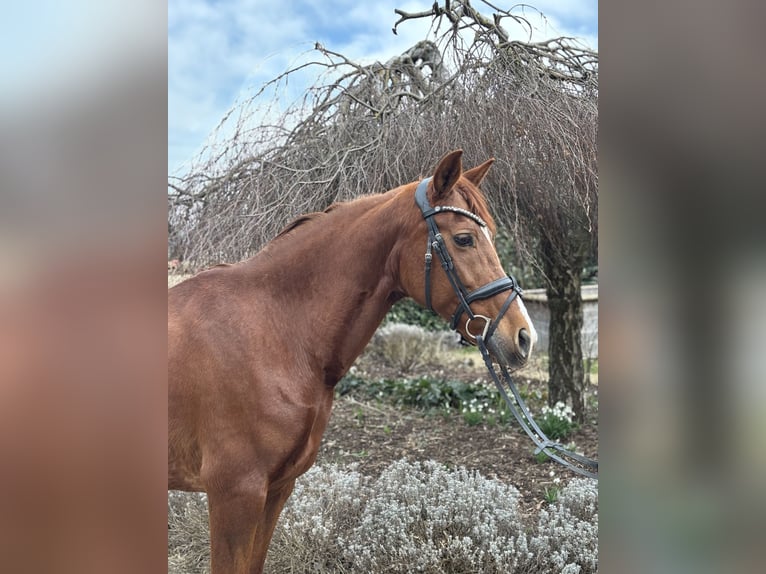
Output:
x,y
465,298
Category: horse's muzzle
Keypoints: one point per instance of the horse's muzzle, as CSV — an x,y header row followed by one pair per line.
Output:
x,y
512,353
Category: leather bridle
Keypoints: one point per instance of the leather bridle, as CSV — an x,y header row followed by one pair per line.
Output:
x,y
465,298
520,411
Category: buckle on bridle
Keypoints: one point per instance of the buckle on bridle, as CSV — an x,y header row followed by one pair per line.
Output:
x,y
487,323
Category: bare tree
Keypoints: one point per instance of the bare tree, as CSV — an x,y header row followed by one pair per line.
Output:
x,y
361,129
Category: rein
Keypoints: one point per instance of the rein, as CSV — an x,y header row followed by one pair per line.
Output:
x,y
554,450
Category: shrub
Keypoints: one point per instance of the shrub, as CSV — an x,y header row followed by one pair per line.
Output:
x,y
421,517
405,347
408,312
566,538
327,502
416,517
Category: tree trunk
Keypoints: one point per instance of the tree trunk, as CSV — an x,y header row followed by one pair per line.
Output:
x,y
565,370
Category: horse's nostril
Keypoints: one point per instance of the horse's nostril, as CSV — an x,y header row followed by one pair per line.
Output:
x,y
525,342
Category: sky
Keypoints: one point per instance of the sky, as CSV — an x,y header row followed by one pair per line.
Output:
x,y
221,50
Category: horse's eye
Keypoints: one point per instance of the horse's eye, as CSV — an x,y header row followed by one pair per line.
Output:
x,y
464,240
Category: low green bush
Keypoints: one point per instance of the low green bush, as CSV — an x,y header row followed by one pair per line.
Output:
x,y
408,312
426,393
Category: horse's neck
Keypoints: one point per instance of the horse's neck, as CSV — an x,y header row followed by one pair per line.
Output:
x,y
338,279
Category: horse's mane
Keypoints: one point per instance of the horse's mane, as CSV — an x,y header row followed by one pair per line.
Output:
x,y
477,204
298,221
305,218
308,217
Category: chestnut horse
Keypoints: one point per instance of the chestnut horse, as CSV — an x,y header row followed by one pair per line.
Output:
x,y
255,349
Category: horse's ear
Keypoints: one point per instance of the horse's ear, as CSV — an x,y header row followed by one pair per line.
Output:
x,y
447,173
476,175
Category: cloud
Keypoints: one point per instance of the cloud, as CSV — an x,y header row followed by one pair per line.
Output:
x,y
220,49
213,50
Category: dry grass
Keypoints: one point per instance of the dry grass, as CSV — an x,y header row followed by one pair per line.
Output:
x,y
174,280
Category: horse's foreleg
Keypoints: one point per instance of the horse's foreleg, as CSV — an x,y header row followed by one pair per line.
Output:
x,y
235,514
273,508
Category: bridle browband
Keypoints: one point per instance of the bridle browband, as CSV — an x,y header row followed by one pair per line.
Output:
x,y
556,451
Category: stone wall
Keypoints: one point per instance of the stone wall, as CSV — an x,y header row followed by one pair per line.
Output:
x,y
537,305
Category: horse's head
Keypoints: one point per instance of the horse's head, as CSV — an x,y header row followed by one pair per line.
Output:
x,y
462,278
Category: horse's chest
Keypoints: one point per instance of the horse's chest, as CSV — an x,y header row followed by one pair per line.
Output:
x,y
306,443
306,454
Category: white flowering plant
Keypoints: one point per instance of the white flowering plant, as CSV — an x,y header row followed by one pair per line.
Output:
x,y
485,409
415,517
557,422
